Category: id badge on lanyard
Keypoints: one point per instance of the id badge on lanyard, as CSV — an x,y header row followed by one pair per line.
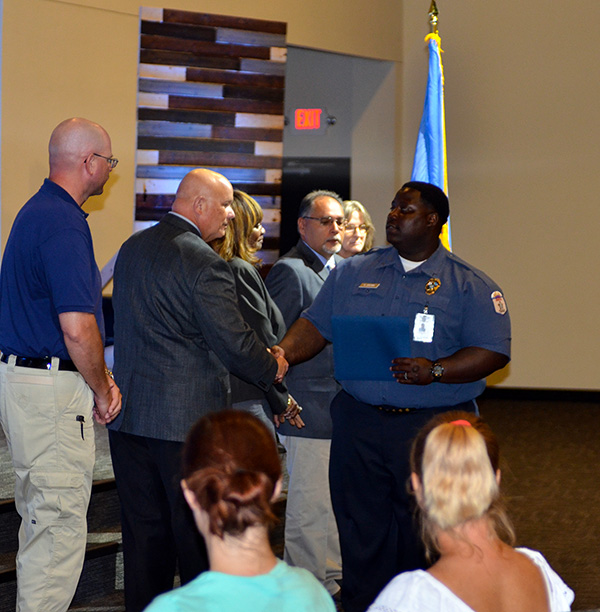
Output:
x,y
424,326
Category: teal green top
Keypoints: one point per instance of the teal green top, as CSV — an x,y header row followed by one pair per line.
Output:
x,y
283,589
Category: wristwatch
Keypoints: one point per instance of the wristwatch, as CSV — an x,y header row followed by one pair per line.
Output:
x,y
437,371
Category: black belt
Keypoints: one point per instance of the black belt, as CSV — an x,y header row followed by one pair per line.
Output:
x,y
395,410
468,406
41,363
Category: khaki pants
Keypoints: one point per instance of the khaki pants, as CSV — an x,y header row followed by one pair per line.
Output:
x,y
53,452
311,534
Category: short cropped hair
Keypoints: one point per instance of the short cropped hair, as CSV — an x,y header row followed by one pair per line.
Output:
x,y
434,196
231,464
351,206
457,466
309,199
248,214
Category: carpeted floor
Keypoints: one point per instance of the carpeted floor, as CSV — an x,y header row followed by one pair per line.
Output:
x,y
551,454
551,459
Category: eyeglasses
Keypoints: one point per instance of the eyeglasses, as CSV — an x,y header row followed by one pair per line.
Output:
x,y
351,228
328,221
112,161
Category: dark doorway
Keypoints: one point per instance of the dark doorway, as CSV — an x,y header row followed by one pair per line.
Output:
x,y
302,175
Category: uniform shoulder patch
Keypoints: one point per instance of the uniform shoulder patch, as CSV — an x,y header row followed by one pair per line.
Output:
x,y
499,303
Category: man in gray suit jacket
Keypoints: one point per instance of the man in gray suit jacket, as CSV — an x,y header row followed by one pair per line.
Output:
x,y
178,334
311,536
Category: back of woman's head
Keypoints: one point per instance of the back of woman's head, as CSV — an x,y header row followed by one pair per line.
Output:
x,y
456,457
231,465
235,243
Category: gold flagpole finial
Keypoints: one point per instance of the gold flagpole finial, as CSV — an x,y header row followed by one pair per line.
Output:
x,y
433,17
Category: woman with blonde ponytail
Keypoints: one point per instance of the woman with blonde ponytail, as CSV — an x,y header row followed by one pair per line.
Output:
x,y
456,481
232,475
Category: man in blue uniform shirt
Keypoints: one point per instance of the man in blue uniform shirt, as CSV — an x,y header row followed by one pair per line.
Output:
x,y
459,332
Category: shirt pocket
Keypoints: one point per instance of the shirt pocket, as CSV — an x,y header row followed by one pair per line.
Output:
x,y
369,299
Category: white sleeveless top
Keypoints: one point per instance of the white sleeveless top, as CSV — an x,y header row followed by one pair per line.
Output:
x,y
420,591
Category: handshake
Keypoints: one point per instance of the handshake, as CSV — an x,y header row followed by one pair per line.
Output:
x,y
292,413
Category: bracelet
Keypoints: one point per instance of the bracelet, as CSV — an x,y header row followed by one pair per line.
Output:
x,y
109,373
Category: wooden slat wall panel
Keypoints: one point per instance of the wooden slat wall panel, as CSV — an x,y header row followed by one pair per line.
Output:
x,y
211,93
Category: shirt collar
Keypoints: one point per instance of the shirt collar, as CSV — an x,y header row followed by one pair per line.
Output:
x,y
63,194
185,219
321,258
429,266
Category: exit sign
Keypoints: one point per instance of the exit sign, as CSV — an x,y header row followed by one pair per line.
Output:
x,y
308,118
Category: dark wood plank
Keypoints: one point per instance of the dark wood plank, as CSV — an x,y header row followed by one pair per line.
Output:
x,y
265,134
179,88
231,105
224,21
154,201
165,201
173,58
218,158
195,144
200,47
186,116
170,128
253,93
259,189
180,31
235,78
269,202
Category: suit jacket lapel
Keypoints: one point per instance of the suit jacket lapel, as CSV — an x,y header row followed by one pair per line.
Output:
x,y
311,260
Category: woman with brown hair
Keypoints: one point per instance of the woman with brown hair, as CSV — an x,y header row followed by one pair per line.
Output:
x,y
455,479
231,476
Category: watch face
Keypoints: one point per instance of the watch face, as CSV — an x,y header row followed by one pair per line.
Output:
x,y
437,370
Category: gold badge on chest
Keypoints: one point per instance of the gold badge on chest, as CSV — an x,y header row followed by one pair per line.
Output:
x,y
432,285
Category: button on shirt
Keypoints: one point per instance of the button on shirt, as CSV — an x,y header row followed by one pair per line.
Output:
x,y
376,284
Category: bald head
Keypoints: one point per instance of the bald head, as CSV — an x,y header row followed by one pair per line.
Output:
x,y
205,197
79,158
73,140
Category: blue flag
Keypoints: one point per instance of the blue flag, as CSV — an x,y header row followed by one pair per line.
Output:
x,y
430,154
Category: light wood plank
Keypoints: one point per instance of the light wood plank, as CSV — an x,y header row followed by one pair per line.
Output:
x,y
258,121
152,100
161,71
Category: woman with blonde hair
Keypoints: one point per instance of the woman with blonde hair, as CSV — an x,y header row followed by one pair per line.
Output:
x,y
456,481
359,231
243,238
231,476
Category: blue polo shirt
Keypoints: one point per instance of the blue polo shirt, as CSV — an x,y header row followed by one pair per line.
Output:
x,y
467,307
48,268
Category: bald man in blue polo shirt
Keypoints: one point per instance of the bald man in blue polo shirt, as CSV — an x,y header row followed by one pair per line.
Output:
x,y
458,333
53,377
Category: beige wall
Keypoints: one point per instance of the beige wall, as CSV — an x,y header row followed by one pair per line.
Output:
x,y
521,90
64,58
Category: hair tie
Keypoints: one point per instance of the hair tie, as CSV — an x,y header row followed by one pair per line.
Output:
x,y
461,422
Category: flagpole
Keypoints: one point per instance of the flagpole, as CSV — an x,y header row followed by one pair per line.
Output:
x,y
433,17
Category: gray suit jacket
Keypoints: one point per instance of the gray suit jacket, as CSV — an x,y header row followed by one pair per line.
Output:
x,y
293,283
262,315
178,331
